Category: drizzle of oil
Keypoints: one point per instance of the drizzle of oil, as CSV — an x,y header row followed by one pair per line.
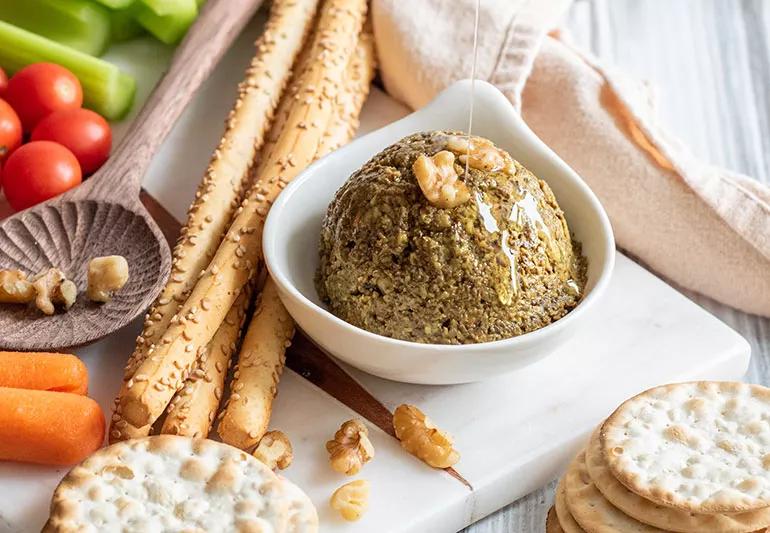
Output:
x,y
473,81
573,287
507,293
526,209
485,212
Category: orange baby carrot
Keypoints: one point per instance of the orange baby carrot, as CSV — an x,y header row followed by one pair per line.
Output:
x,y
43,371
53,428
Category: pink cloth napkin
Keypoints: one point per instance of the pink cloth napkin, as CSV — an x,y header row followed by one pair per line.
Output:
x,y
705,228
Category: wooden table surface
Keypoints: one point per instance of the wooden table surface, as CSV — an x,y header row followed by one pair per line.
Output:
x,y
710,61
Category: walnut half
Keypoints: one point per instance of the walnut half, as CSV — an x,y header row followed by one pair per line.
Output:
x,y
438,180
422,439
105,276
481,154
351,449
274,450
351,500
52,287
15,288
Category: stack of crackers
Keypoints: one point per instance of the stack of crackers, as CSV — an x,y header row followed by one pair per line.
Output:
x,y
688,457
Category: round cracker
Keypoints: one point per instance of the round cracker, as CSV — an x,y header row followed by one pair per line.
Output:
x,y
552,522
566,520
303,517
658,515
592,510
169,483
702,447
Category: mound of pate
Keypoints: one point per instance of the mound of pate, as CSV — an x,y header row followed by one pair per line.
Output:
x,y
445,240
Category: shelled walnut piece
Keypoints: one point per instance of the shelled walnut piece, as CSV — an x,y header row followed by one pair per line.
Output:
x,y
15,288
46,289
439,181
350,449
274,450
52,287
351,500
480,153
422,439
106,275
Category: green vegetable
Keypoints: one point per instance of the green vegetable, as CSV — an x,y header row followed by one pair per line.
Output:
x,y
106,89
116,4
123,26
80,24
167,20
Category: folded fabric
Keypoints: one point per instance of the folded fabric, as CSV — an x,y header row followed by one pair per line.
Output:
x,y
704,228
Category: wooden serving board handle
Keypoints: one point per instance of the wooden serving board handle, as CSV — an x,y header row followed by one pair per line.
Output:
x,y
217,26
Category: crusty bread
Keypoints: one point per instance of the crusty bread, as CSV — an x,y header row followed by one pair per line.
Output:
x,y
592,510
702,447
173,483
658,515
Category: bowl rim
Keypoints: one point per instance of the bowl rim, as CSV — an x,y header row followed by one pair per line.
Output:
x,y
605,271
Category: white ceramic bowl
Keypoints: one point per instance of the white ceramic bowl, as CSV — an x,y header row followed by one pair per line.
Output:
x,y
293,226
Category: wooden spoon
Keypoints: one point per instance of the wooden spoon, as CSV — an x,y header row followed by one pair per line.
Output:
x,y
104,216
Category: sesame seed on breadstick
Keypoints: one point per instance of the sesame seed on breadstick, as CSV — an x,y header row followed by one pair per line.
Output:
x,y
358,79
260,364
192,411
221,190
240,252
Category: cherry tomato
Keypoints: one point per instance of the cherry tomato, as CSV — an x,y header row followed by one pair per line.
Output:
x,y
3,82
85,133
37,171
10,130
40,89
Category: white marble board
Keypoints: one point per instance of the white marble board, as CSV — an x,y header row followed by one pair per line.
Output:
x,y
514,433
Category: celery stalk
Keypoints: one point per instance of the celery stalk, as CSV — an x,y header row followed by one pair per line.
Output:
x,y
167,20
123,26
79,24
116,4
106,89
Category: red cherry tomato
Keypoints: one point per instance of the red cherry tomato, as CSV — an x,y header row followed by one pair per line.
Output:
x,y
3,82
85,133
10,130
40,89
37,171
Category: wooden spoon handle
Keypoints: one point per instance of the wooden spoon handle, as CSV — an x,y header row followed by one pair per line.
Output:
x,y
208,39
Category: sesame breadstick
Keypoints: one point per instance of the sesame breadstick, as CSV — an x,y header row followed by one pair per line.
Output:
x,y
260,363
192,410
289,97
240,252
358,79
221,190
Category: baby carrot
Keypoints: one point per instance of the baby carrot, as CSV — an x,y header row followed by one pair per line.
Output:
x,y
53,428
43,371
